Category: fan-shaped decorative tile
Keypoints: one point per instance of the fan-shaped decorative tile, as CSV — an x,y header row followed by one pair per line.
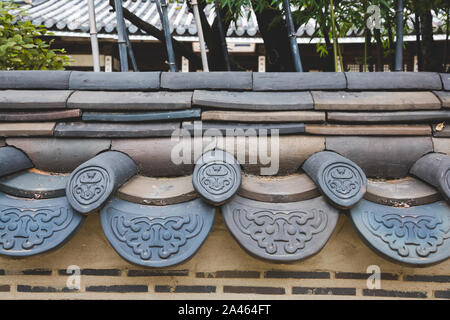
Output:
x,y
31,227
157,236
281,231
417,235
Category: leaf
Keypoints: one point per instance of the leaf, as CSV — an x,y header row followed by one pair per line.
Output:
x,y
440,126
20,45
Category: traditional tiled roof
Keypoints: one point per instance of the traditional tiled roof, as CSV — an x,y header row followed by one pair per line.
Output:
x,y
373,145
72,16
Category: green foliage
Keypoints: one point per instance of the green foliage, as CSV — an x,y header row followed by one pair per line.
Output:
x,y
21,45
349,13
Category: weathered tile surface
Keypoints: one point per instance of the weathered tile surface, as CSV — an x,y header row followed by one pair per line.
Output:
x,y
292,188
208,80
444,96
158,191
13,160
284,155
34,185
114,100
142,116
28,99
262,117
40,116
114,130
442,145
433,168
388,117
59,155
408,191
256,101
291,81
369,130
26,129
153,156
114,81
440,132
237,129
446,80
367,101
382,157
35,79
393,81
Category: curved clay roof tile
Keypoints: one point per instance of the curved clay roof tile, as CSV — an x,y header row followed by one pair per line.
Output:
x,y
154,236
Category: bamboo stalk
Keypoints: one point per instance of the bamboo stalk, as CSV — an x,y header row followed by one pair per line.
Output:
x,y
223,41
94,39
201,38
292,37
399,46
121,37
333,25
162,10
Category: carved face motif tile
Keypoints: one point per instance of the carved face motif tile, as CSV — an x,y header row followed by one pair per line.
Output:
x,y
342,180
281,231
31,227
157,236
339,179
217,176
92,183
417,235
89,185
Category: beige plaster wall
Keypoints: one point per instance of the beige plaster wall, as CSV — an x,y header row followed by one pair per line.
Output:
x,y
220,265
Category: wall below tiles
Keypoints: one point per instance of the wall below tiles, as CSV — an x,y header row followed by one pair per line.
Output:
x,y
221,269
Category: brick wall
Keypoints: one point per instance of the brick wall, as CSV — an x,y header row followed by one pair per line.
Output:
x,y
220,270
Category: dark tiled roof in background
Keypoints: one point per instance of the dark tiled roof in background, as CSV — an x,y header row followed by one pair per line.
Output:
x,y
72,16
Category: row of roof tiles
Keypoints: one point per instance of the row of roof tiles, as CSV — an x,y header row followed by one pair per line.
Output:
x,y
386,157
405,220
238,81
72,15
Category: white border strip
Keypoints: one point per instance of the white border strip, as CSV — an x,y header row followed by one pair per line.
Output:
x,y
409,38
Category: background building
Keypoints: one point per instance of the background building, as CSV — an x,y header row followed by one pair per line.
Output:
x,y
69,21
